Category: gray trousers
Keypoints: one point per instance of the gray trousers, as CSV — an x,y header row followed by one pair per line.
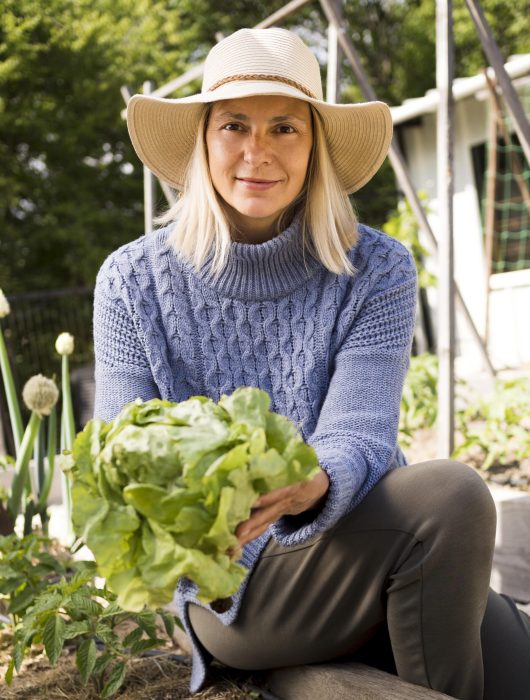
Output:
x,y
402,583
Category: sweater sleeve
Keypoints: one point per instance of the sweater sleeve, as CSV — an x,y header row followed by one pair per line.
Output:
x,y
122,371
356,434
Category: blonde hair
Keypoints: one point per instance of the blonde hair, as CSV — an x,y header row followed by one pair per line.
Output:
x,y
329,223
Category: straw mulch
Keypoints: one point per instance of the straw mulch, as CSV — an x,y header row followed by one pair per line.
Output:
x,y
151,678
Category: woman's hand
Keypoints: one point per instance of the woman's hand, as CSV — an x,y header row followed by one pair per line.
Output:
x,y
290,500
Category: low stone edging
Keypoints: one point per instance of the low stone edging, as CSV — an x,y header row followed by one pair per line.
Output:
x,y
344,681
511,560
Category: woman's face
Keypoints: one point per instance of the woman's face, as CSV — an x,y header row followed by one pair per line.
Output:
x,y
258,153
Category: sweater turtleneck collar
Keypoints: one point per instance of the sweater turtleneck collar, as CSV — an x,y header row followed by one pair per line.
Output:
x,y
268,270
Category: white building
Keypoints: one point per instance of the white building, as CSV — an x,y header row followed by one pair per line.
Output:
x,y
509,298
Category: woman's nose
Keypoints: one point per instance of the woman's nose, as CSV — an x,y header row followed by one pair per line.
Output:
x,y
257,151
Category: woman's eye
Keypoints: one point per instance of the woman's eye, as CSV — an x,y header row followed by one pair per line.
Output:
x,y
232,127
286,129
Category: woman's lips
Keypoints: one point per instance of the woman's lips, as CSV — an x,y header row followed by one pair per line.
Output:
x,y
254,184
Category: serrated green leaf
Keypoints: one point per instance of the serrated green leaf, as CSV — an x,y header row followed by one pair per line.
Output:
x,y
107,635
47,601
84,604
86,659
21,600
111,609
101,663
133,637
53,637
145,645
147,621
115,680
75,629
169,622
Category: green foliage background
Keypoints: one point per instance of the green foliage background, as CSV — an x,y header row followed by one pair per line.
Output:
x,y
70,184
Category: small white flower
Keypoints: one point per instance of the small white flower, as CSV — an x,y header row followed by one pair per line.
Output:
x,y
64,344
40,394
4,305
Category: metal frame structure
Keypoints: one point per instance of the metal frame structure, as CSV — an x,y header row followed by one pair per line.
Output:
x,y
448,293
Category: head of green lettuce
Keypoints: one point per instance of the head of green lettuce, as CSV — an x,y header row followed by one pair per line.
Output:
x,y
158,492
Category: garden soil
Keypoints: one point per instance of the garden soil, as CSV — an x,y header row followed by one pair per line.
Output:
x,y
151,678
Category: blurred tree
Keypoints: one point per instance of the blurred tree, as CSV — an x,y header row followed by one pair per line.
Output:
x,y
70,183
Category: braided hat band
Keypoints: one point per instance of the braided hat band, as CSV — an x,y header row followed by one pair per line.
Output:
x,y
263,76
254,62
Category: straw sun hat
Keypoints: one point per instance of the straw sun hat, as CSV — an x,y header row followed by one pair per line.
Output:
x,y
259,62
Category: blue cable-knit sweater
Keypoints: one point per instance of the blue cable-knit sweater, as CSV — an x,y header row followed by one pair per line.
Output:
x,y
331,350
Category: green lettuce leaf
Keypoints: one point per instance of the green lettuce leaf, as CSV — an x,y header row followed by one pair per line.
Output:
x,y
158,493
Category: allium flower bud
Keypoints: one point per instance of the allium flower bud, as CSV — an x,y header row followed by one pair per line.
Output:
x,y
40,394
64,344
4,305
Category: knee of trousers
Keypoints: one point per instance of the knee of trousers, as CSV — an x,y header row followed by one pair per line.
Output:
x,y
452,495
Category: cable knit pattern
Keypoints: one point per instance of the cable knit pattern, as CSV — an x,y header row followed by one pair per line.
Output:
x,y
331,350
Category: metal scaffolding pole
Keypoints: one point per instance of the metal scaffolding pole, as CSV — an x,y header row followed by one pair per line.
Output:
x,y
333,67
400,169
149,183
520,122
446,296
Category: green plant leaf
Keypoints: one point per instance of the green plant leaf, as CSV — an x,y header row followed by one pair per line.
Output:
x,y
101,663
169,622
9,673
115,680
21,600
133,637
112,609
76,629
86,659
84,604
107,635
53,637
7,571
47,600
18,655
145,645
147,621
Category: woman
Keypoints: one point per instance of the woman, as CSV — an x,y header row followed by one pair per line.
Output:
x,y
264,278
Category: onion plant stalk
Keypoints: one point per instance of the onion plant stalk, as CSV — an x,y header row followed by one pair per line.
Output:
x,y
40,396
9,385
65,346
44,489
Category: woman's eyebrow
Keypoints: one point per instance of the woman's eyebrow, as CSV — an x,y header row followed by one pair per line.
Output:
x,y
239,116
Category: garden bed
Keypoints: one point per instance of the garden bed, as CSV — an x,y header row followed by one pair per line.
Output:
x,y
160,677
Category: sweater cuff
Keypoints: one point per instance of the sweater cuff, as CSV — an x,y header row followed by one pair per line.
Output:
x,y
343,485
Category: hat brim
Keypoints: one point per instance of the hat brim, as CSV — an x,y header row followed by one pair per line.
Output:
x,y
163,131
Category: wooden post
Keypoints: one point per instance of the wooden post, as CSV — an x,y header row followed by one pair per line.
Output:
x,y
489,219
517,168
521,124
149,183
401,171
444,140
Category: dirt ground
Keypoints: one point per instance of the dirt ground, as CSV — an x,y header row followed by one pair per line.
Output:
x,y
152,678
